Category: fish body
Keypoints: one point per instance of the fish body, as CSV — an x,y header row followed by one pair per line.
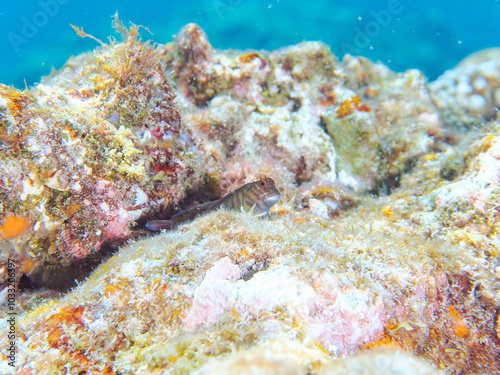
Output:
x,y
256,197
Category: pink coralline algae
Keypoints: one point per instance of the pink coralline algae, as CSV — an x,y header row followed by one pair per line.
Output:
x,y
214,295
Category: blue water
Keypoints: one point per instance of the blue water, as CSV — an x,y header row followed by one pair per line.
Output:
x,y
429,35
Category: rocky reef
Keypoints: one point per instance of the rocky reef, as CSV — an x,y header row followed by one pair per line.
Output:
x,y
383,248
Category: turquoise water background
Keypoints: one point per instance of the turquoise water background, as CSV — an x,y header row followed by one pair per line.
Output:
x,y
429,35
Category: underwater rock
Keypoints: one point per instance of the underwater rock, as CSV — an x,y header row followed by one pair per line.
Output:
x,y
228,282
280,360
470,93
381,362
258,119
315,116
91,148
131,131
386,235
377,130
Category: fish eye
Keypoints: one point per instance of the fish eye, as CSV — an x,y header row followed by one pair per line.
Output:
x,y
262,183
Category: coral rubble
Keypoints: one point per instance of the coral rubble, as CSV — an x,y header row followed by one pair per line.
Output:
x,y
385,240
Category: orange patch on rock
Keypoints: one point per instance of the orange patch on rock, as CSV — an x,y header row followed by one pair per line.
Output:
x,y
248,57
110,290
72,318
351,105
458,325
384,342
14,226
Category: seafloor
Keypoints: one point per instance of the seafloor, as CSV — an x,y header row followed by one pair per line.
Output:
x,y
382,256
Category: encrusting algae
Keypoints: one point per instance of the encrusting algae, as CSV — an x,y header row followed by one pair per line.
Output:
x,y
382,248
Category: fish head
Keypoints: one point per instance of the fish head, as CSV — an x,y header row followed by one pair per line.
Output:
x,y
268,192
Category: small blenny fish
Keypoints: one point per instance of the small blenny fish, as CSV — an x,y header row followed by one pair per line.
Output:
x,y
256,197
